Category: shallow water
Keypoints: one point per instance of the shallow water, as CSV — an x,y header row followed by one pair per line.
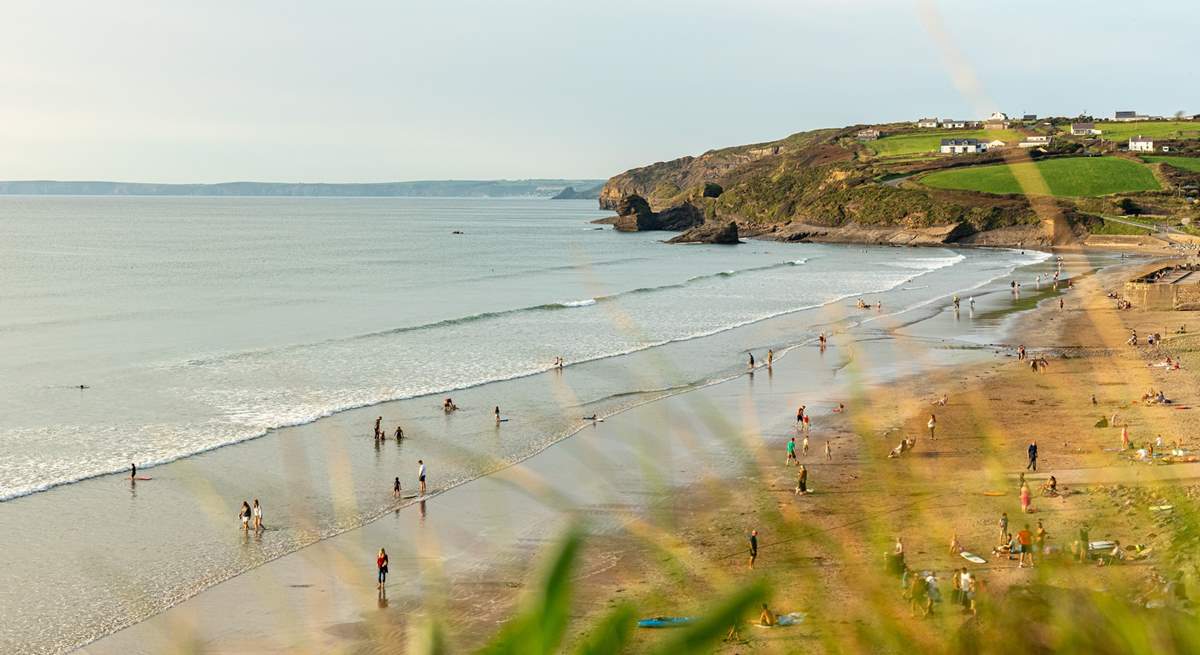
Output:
x,y
202,322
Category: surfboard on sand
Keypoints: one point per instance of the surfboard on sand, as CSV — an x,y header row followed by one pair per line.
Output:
x,y
665,622
143,477
973,558
409,496
993,493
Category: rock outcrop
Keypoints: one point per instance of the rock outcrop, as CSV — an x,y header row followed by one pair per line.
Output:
x,y
724,233
634,215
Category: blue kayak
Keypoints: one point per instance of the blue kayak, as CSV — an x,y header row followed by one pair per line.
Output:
x,y
665,622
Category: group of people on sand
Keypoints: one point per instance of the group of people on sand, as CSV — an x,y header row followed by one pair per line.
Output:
x,y
251,514
862,304
920,588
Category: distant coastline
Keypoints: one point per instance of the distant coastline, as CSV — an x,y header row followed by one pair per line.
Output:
x,y
538,188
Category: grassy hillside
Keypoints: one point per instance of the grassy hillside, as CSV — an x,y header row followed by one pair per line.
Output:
x,y
931,140
1166,129
1081,176
1185,163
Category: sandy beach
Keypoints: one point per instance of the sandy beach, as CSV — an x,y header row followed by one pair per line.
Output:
x,y
669,490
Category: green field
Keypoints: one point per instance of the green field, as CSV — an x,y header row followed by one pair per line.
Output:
x,y
1186,163
930,140
1078,176
1167,129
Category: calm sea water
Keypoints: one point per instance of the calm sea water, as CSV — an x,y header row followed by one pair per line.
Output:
x,y
201,322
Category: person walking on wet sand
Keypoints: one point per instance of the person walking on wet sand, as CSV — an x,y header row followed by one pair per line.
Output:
x,y
753,547
132,471
381,564
791,452
807,425
770,358
822,341
804,447
802,481
399,433
932,425
421,475
1021,352
1033,452
497,415
244,515
256,512
751,361
377,422
396,488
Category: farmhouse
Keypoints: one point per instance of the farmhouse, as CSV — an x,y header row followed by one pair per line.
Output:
x,y
928,122
962,146
1129,116
1141,143
1084,129
1036,141
995,124
995,143
869,134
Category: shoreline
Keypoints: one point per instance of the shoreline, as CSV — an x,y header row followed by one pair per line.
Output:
x,y
343,536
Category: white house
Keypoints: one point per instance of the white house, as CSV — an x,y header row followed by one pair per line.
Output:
x,y
954,124
1129,116
928,122
1084,129
1139,143
1036,141
869,134
995,143
998,116
962,146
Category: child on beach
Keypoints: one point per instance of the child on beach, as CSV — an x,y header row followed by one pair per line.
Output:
x,y
791,452
381,563
804,447
396,488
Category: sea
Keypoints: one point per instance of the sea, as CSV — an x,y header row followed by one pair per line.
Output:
x,y
216,333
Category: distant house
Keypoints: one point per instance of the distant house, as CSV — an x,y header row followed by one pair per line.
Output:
x,y
928,122
1036,141
998,116
1029,118
869,134
952,124
1141,143
995,124
996,143
1084,129
1128,116
962,146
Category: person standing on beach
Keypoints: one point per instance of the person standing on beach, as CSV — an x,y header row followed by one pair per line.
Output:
x,y
396,488
802,480
800,415
244,515
804,447
1003,527
132,471
377,422
770,358
751,361
381,564
1039,539
791,452
1125,438
1033,452
1021,352
932,425
828,452
399,433
497,415
256,512
822,341
754,546
807,426
1025,539
421,475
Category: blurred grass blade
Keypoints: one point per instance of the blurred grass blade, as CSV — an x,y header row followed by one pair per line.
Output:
x,y
540,624
429,640
609,635
716,623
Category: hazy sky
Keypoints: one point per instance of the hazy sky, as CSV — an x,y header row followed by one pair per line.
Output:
x,y
175,91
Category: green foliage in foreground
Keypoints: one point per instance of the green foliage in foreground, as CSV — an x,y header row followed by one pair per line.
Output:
x,y
1184,163
1076,176
540,624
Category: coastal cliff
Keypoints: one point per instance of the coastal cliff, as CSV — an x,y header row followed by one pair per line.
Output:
x,y
825,185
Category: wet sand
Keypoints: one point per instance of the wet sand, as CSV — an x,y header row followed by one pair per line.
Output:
x,y
681,478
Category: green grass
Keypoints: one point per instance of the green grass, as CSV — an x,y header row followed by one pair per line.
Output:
x,y
1167,129
1112,227
931,140
1077,176
1185,163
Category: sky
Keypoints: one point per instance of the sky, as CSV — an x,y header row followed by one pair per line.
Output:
x,y
350,91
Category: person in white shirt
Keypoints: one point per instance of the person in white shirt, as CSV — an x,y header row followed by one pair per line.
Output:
x,y
421,475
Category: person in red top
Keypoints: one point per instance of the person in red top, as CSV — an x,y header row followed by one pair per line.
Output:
x,y
382,563
1026,540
